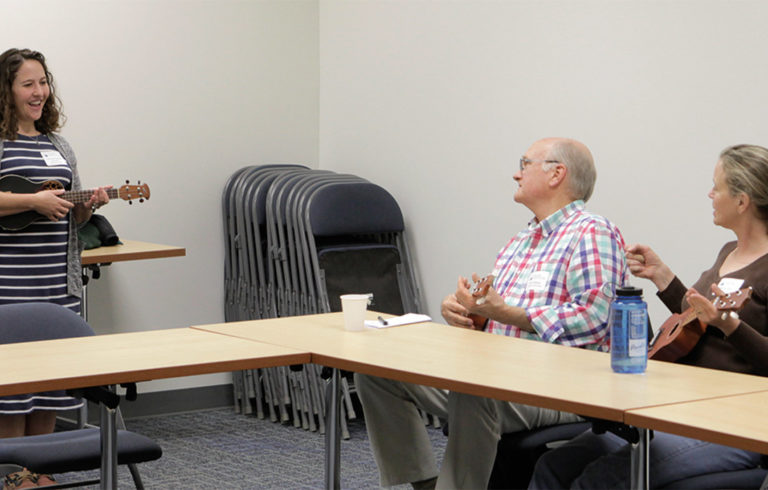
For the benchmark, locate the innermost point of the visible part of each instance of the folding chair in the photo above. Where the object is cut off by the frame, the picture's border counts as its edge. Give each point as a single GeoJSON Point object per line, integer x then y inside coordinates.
{"type": "Point", "coordinates": [347, 230]}
{"type": "Point", "coordinates": [259, 242]}
{"type": "Point", "coordinates": [351, 232]}
{"type": "Point", "coordinates": [246, 294]}
{"type": "Point", "coordinates": [278, 272]}
{"type": "Point", "coordinates": [277, 265]}
{"type": "Point", "coordinates": [230, 245]}
{"type": "Point", "coordinates": [302, 273]}
{"type": "Point", "coordinates": [73, 450]}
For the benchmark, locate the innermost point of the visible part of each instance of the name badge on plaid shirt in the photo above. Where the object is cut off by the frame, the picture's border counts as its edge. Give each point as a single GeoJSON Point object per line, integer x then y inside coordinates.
{"type": "Point", "coordinates": [538, 281]}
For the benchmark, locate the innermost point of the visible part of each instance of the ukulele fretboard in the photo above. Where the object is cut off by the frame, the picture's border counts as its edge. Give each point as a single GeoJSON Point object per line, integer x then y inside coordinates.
{"type": "Point", "coordinates": [82, 196]}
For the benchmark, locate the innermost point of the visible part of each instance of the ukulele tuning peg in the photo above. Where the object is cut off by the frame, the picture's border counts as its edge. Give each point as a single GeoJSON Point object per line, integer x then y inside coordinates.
{"type": "Point", "coordinates": [141, 200]}
{"type": "Point", "coordinates": [130, 202]}
{"type": "Point", "coordinates": [127, 181]}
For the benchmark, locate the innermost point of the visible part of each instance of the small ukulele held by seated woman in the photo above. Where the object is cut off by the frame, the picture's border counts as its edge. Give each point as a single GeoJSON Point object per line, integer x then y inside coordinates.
{"type": "Point", "coordinates": [681, 332]}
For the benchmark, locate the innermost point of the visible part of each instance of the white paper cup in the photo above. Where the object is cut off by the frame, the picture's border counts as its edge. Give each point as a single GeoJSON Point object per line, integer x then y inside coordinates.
{"type": "Point", "coordinates": [354, 306]}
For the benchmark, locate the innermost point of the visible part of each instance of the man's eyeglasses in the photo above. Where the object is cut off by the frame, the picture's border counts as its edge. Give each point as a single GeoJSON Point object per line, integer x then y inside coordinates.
{"type": "Point", "coordinates": [527, 162]}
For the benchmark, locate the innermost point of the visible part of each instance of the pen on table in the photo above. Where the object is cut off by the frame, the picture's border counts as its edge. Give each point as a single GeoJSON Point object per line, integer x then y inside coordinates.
{"type": "Point", "coordinates": [382, 320]}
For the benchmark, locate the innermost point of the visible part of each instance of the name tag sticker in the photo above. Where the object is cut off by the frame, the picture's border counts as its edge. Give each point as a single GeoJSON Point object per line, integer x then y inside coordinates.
{"type": "Point", "coordinates": [538, 281]}
{"type": "Point", "coordinates": [730, 284]}
{"type": "Point", "coordinates": [53, 158]}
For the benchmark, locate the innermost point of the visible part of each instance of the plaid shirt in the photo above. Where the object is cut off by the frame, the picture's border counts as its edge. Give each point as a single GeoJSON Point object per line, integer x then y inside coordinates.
{"type": "Point", "coordinates": [559, 270]}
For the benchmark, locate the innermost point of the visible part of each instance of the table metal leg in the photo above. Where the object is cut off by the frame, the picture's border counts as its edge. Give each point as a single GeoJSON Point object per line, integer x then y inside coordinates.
{"type": "Point", "coordinates": [333, 430]}
{"type": "Point", "coordinates": [95, 273]}
{"type": "Point", "coordinates": [108, 448]}
{"type": "Point", "coordinates": [84, 300]}
{"type": "Point", "coordinates": [639, 459]}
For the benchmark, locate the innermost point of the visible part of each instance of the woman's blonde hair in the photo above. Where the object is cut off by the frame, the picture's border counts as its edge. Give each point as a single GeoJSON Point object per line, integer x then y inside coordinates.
{"type": "Point", "coordinates": [746, 170]}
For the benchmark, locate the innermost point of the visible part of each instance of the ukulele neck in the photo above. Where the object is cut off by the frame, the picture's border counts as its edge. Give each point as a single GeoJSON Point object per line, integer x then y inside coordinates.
{"type": "Point", "coordinates": [687, 316]}
{"type": "Point", "coordinates": [78, 197]}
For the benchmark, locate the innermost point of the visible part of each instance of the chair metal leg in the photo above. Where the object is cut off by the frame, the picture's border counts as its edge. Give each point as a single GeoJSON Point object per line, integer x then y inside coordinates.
{"type": "Point", "coordinates": [136, 476]}
{"type": "Point", "coordinates": [82, 415]}
{"type": "Point", "coordinates": [348, 399]}
{"type": "Point", "coordinates": [333, 431]}
{"type": "Point", "coordinates": [132, 467]}
{"type": "Point", "coordinates": [257, 374]}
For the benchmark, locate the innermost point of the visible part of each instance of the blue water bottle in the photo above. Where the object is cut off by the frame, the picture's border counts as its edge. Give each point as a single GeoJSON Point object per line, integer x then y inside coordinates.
{"type": "Point", "coordinates": [628, 322]}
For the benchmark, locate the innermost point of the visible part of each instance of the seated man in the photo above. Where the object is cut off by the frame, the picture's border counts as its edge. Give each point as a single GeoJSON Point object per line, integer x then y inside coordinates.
{"type": "Point", "coordinates": [550, 285]}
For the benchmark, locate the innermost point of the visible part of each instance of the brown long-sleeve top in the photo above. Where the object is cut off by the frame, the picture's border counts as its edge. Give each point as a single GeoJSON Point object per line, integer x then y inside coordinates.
{"type": "Point", "coordinates": [746, 349]}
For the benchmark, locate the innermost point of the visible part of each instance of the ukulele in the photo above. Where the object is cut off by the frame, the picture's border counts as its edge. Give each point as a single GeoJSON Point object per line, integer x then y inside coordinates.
{"type": "Point", "coordinates": [21, 185]}
{"type": "Point", "coordinates": [479, 290]}
{"type": "Point", "coordinates": [680, 333]}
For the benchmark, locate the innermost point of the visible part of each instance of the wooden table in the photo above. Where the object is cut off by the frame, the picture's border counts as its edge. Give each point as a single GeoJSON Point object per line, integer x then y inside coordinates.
{"type": "Point", "coordinates": [505, 368]}
{"type": "Point", "coordinates": [131, 357]}
{"type": "Point", "coordinates": [735, 420]}
{"type": "Point", "coordinates": [130, 250]}
{"type": "Point", "coordinates": [94, 258]}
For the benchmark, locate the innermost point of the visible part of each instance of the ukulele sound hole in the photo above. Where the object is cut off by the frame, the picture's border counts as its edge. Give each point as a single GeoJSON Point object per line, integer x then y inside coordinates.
{"type": "Point", "coordinates": [674, 329]}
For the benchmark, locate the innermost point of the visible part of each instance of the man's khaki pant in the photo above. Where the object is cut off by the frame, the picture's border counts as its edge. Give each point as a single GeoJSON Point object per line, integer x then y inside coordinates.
{"type": "Point", "coordinates": [401, 445]}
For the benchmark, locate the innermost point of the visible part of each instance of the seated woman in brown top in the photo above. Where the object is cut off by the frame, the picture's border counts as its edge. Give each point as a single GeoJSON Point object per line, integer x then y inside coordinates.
{"type": "Point", "coordinates": [731, 342]}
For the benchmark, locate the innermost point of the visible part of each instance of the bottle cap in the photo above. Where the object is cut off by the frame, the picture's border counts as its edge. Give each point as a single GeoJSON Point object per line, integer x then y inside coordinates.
{"type": "Point", "coordinates": [629, 291]}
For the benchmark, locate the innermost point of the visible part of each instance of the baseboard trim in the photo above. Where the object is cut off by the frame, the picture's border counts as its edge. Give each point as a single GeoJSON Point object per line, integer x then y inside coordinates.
{"type": "Point", "coordinates": [172, 401]}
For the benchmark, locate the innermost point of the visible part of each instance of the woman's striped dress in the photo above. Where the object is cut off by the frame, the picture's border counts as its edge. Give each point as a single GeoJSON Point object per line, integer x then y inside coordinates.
{"type": "Point", "coordinates": [33, 260]}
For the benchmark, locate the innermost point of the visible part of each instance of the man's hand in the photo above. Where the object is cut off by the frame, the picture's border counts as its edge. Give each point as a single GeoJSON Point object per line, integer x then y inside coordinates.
{"type": "Point", "coordinates": [454, 313]}
{"type": "Point", "coordinates": [488, 305]}
{"type": "Point", "coordinates": [643, 262]}
{"type": "Point", "coordinates": [456, 307]}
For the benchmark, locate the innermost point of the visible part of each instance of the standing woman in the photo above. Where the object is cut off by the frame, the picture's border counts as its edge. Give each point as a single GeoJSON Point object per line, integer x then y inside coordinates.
{"type": "Point", "coordinates": [41, 262]}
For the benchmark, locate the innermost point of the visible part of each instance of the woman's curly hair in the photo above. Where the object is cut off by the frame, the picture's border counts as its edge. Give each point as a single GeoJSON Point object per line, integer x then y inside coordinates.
{"type": "Point", "coordinates": [10, 62]}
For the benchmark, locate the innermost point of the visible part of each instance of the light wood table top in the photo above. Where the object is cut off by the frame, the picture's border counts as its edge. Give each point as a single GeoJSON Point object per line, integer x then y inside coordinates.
{"type": "Point", "coordinates": [736, 420]}
{"type": "Point", "coordinates": [131, 357]}
{"type": "Point", "coordinates": [535, 373]}
{"type": "Point", "coordinates": [130, 250]}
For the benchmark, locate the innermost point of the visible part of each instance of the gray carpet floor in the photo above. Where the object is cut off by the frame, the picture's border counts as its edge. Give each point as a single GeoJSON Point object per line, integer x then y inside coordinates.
{"type": "Point", "coordinates": [218, 449]}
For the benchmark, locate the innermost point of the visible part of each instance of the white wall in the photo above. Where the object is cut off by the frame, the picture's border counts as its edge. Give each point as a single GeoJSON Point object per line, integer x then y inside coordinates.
{"type": "Point", "coordinates": [437, 100]}
{"type": "Point", "coordinates": [178, 94]}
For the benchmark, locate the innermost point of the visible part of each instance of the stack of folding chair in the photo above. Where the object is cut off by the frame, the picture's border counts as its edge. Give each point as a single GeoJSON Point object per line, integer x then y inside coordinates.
{"type": "Point", "coordinates": [295, 240]}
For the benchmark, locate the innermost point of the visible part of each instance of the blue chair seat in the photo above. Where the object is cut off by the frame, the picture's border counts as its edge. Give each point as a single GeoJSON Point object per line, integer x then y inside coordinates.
{"type": "Point", "coordinates": [74, 450]}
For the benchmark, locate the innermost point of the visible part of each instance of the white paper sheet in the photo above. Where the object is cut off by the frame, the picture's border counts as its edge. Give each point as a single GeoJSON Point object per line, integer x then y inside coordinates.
{"type": "Point", "coordinates": [398, 320]}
